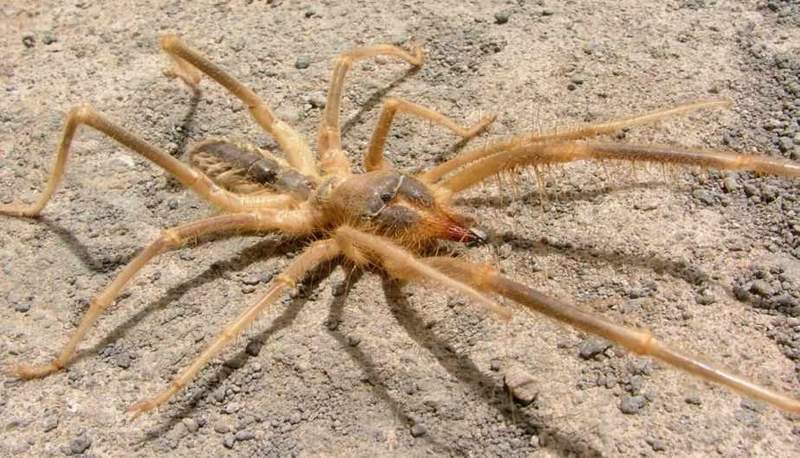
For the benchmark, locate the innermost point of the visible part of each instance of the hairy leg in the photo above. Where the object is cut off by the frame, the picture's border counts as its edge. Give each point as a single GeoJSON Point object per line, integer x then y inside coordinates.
{"type": "Point", "coordinates": [332, 158]}
{"type": "Point", "coordinates": [558, 152]}
{"type": "Point", "coordinates": [362, 248]}
{"type": "Point", "coordinates": [188, 66]}
{"type": "Point", "coordinates": [587, 131]}
{"type": "Point", "coordinates": [168, 240]}
{"type": "Point", "coordinates": [484, 278]}
{"type": "Point", "coordinates": [189, 177]}
{"type": "Point", "coordinates": [374, 159]}
{"type": "Point", "coordinates": [313, 256]}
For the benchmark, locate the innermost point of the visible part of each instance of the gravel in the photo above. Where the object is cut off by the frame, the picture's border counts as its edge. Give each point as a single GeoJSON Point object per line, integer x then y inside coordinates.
{"type": "Point", "coordinates": [302, 62]}
{"type": "Point", "coordinates": [591, 348]}
{"type": "Point", "coordinates": [80, 444]}
{"type": "Point", "coordinates": [631, 405]}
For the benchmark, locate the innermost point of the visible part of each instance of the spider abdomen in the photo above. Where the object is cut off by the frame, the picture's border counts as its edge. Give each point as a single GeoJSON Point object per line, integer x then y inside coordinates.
{"type": "Point", "coordinates": [246, 169]}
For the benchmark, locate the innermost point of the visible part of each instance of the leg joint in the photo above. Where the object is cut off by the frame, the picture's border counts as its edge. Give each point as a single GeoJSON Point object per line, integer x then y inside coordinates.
{"type": "Point", "coordinates": [646, 344]}
{"type": "Point", "coordinates": [169, 42]}
{"type": "Point", "coordinates": [82, 112]}
{"type": "Point", "coordinates": [286, 280]}
{"type": "Point", "coordinates": [392, 103]}
{"type": "Point", "coordinates": [171, 238]}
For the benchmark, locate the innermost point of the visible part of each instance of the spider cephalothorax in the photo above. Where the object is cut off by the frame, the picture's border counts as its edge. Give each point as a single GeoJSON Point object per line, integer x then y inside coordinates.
{"type": "Point", "coordinates": [382, 216]}
{"type": "Point", "coordinates": [394, 205]}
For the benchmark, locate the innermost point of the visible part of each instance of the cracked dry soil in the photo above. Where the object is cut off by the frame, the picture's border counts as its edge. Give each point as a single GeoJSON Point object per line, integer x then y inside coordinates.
{"type": "Point", "coordinates": [353, 364]}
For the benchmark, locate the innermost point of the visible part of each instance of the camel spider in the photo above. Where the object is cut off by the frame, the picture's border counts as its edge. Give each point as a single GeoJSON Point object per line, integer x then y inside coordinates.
{"type": "Point", "coordinates": [380, 217]}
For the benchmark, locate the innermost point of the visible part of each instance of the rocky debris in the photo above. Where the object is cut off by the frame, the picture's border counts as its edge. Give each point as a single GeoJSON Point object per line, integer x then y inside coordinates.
{"type": "Point", "coordinates": [592, 347]}
{"type": "Point", "coordinates": [631, 405]}
{"type": "Point", "coordinates": [521, 385]}
{"type": "Point", "coordinates": [80, 444]}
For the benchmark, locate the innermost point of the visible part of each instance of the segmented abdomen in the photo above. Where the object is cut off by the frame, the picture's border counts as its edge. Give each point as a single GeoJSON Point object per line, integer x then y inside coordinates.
{"type": "Point", "coordinates": [245, 169]}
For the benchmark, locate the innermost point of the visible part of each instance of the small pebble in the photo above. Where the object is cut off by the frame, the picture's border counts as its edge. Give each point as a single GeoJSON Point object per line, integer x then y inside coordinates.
{"type": "Point", "coordinates": [578, 78]}
{"type": "Point", "coordinates": [418, 430]}
{"type": "Point", "coordinates": [231, 408]}
{"type": "Point", "coordinates": [693, 399]}
{"type": "Point", "coordinates": [252, 279]}
{"type": "Point", "coordinates": [253, 347]}
{"type": "Point", "coordinates": [221, 428]}
{"type": "Point", "coordinates": [501, 17]}
{"type": "Point", "coordinates": [495, 364]}
{"type": "Point", "coordinates": [244, 436]}
{"type": "Point", "coordinates": [761, 288]}
{"type": "Point", "coordinates": [22, 307]}
{"type": "Point", "coordinates": [353, 341]}
{"type": "Point", "coordinates": [50, 424]}
{"type": "Point", "coordinates": [591, 348]}
{"type": "Point", "coordinates": [656, 444]}
{"type": "Point", "coordinates": [703, 196]}
{"type": "Point", "coordinates": [317, 100]}
{"type": "Point", "coordinates": [521, 385]}
{"type": "Point", "coordinates": [122, 360]}
{"type": "Point", "coordinates": [229, 441]}
{"type": "Point", "coordinates": [191, 425]}
{"type": "Point", "coordinates": [80, 444]}
{"type": "Point", "coordinates": [302, 62]}
{"type": "Point", "coordinates": [534, 441]}
{"type": "Point", "coordinates": [705, 298]}
{"type": "Point", "coordinates": [729, 184]}
{"type": "Point", "coordinates": [785, 144]}
{"type": "Point", "coordinates": [632, 404]}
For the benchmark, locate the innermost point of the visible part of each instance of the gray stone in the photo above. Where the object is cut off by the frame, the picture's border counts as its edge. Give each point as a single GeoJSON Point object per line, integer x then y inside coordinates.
{"type": "Point", "coordinates": [631, 405]}
{"type": "Point", "coordinates": [302, 62]}
{"type": "Point", "coordinates": [80, 444]}
{"type": "Point", "coordinates": [418, 430]}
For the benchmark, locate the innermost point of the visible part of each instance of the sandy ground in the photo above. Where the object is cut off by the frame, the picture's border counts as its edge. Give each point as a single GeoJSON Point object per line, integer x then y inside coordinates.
{"type": "Point", "coordinates": [353, 364]}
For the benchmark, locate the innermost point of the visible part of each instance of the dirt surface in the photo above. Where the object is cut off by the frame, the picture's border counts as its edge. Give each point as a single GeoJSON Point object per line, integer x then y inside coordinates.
{"type": "Point", "coordinates": [708, 261]}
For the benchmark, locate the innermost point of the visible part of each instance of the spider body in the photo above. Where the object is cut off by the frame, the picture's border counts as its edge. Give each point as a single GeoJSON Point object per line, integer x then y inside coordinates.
{"type": "Point", "coordinates": [382, 216]}
{"type": "Point", "coordinates": [394, 205]}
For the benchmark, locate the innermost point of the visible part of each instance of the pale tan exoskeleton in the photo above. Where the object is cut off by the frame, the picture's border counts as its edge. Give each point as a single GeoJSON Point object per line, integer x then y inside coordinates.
{"type": "Point", "coordinates": [380, 217]}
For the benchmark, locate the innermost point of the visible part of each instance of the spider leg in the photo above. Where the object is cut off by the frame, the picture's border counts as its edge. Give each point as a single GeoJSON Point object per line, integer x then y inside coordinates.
{"type": "Point", "coordinates": [188, 66]}
{"type": "Point", "coordinates": [313, 256]}
{"type": "Point", "coordinates": [484, 278]}
{"type": "Point", "coordinates": [374, 158]}
{"type": "Point", "coordinates": [329, 142]}
{"type": "Point", "coordinates": [192, 179]}
{"type": "Point", "coordinates": [582, 132]}
{"type": "Point", "coordinates": [558, 152]}
{"type": "Point", "coordinates": [169, 239]}
{"type": "Point", "coordinates": [361, 247]}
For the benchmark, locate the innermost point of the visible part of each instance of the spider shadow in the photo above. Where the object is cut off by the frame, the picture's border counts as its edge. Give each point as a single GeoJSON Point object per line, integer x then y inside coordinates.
{"type": "Point", "coordinates": [206, 386]}
{"type": "Point", "coordinates": [462, 368]}
{"type": "Point", "coordinates": [535, 196]}
{"type": "Point", "coordinates": [590, 255]}
{"type": "Point", "coordinates": [372, 375]}
{"type": "Point", "coordinates": [374, 100]}
{"type": "Point", "coordinates": [104, 265]}
{"type": "Point", "coordinates": [181, 135]}
{"type": "Point", "coordinates": [244, 258]}
{"type": "Point", "coordinates": [458, 366]}
{"type": "Point", "coordinates": [79, 249]}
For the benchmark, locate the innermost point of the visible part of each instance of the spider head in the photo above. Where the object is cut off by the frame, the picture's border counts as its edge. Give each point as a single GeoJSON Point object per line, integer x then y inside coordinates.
{"type": "Point", "coordinates": [398, 206]}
